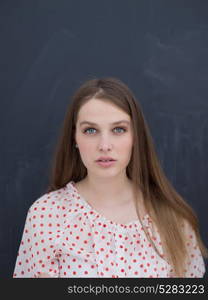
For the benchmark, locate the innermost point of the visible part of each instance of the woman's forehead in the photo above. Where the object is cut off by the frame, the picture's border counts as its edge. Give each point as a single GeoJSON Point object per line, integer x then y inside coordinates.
{"type": "Point", "coordinates": [95, 109]}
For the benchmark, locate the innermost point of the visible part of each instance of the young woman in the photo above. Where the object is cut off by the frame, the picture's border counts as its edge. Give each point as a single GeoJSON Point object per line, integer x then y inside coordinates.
{"type": "Point", "coordinates": [109, 211]}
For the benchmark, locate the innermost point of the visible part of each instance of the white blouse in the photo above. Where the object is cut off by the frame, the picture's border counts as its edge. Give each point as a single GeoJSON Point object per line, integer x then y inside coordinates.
{"type": "Point", "coordinates": [65, 237]}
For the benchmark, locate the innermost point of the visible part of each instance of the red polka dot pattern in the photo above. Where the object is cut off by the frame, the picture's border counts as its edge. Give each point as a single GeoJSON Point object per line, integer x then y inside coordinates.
{"type": "Point", "coordinates": [65, 237]}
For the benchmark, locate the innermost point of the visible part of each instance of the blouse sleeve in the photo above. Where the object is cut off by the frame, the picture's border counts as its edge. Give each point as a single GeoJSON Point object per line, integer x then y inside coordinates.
{"type": "Point", "coordinates": [37, 250]}
{"type": "Point", "coordinates": [195, 266]}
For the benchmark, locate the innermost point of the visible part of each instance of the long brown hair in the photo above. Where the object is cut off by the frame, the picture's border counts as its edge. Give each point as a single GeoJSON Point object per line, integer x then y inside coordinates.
{"type": "Point", "coordinates": [166, 207]}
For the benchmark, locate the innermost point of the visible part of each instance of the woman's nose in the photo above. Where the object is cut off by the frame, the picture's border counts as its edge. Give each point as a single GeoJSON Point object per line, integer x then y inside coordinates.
{"type": "Point", "coordinates": [105, 146]}
{"type": "Point", "coordinates": [105, 142]}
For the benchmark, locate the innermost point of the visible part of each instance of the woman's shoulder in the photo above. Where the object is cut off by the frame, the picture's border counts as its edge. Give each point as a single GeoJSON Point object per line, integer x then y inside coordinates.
{"type": "Point", "coordinates": [59, 199]}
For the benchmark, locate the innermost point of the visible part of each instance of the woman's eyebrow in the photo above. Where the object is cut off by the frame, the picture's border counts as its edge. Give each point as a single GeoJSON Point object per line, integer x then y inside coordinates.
{"type": "Point", "coordinates": [114, 123]}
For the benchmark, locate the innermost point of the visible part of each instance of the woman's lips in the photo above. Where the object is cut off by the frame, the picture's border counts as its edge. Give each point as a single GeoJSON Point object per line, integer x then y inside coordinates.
{"type": "Point", "coordinates": [106, 163]}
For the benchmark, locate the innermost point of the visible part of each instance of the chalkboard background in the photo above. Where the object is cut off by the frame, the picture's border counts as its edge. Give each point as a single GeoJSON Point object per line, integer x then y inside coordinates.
{"type": "Point", "coordinates": [48, 48]}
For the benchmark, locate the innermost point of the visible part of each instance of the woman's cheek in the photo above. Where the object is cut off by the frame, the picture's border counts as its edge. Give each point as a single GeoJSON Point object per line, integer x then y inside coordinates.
{"type": "Point", "coordinates": [87, 153]}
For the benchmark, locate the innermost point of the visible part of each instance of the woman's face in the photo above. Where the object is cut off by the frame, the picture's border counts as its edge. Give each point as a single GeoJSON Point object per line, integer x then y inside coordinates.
{"type": "Point", "coordinates": [104, 138]}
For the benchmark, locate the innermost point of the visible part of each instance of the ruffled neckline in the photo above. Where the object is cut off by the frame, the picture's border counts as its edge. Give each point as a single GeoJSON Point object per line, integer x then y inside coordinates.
{"type": "Point", "coordinates": [100, 217]}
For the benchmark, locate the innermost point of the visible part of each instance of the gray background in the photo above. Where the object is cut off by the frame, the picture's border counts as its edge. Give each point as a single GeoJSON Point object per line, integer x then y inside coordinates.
{"type": "Point", "coordinates": [48, 48]}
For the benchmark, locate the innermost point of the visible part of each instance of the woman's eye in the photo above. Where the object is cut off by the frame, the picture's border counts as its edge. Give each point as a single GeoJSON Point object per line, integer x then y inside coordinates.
{"type": "Point", "coordinates": [121, 128]}
{"type": "Point", "coordinates": [88, 129]}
